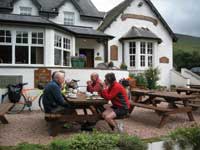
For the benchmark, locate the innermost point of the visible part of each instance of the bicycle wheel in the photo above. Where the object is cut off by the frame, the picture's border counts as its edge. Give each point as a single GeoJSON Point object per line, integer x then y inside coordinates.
{"type": "Point", "coordinates": [41, 103]}
{"type": "Point", "coordinates": [19, 106]}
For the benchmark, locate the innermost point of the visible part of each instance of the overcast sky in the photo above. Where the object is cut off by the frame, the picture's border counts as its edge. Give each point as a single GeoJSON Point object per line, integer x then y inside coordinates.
{"type": "Point", "coordinates": [181, 15]}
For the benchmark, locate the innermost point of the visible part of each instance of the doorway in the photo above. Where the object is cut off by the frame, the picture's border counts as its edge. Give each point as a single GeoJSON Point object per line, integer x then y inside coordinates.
{"type": "Point", "coordinates": [89, 53]}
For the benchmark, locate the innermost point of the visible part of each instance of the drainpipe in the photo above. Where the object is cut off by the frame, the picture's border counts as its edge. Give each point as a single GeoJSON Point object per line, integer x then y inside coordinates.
{"type": "Point", "coordinates": [105, 51]}
{"type": "Point", "coordinates": [123, 58]}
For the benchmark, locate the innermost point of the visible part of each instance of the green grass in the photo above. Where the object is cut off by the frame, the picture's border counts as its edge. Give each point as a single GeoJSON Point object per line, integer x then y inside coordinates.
{"type": "Point", "coordinates": [187, 43]}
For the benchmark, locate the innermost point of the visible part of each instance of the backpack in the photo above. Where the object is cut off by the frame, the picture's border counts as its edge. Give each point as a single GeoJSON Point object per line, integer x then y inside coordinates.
{"type": "Point", "coordinates": [14, 93]}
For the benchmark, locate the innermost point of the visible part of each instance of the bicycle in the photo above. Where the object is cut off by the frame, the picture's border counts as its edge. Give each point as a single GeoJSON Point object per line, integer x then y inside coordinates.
{"type": "Point", "coordinates": [20, 97]}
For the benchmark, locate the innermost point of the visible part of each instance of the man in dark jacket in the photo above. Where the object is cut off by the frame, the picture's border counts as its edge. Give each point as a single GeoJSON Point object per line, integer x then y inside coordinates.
{"type": "Point", "coordinates": [53, 101]}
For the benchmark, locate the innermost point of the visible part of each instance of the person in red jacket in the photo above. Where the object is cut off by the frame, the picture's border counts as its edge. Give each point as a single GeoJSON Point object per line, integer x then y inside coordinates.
{"type": "Point", "coordinates": [117, 94]}
{"type": "Point", "coordinates": [95, 84]}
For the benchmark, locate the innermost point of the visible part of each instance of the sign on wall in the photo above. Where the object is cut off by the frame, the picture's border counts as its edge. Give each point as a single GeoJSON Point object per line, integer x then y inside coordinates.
{"type": "Point", "coordinates": [42, 76]}
{"type": "Point", "coordinates": [164, 60]}
{"type": "Point", "coordinates": [7, 79]}
{"type": "Point", "coordinates": [114, 52]}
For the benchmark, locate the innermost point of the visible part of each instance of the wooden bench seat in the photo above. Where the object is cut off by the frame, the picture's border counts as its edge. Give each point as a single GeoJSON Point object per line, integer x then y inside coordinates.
{"type": "Point", "coordinates": [4, 108]}
{"type": "Point", "coordinates": [161, 109]}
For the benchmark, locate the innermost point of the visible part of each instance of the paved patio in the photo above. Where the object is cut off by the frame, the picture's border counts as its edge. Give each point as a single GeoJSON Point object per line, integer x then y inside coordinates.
{"type": "Point", "coordinates": [31, 126]}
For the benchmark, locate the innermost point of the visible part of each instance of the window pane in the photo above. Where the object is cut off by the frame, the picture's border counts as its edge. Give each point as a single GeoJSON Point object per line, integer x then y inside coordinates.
{"type": "Point", "coordinates": [2, 39]}
{"type": "Point", "coordinates": [142, 61]}
{"type": "Point", "coordinates": [8, 33]}
{"type": "Point", "coordinates": [34, 41]}
{"type": "Point", "coordinates": [21, 54]}
{"type": "Point", "coordinates": [2, 32]}
{"type": "Point", "coordinates": [5, 54]}
{"type": "Point", "coordinates": [143, 48]}
{"type": "Point", "coordinates": [25, 40]}
{"type": "Point", "coordinates": [8, 39]}
{"type": "Point", "coordinates": [132, 61]}
{"type": "Point", "coordinates": [18, 40]}
{"type": "Point", "coordinates": [69, 18]}
{"type": "Point", "coordinates": [34, 35]}
{"type": "Point", "coordinates": [40, 35]}
{"type": "Point", "coordinates": [40, 41]}
{"type": "Point", "coordinates": [37, 55]}
{"type": "Point", "coordinates": [150, 61]}
{"type": "Point", "coordinates": [66, 58]}
{"type": "Point", "coordinates": [57, 58]}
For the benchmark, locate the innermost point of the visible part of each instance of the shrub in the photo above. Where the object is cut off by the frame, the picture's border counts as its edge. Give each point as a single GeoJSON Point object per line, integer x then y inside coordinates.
{"type": "Point", "coordinates": [184, 138]}
{"type": "Point", "coordinates": [26, 146]}
{"type": "Point", "coordinates": [123, 66]}
{"type": "Point", "coordinates": [131, 143]}
{"type": "Point", "coordinates": [99, 141]}
{"type": "Point", "coordinates": [140, 79]}
{"type": "Point", "coordinates": [152, 76]}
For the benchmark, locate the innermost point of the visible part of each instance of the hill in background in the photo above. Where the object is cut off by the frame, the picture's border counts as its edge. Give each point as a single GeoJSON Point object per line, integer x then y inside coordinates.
{"type": "Point", "coordinates": [187, 43]}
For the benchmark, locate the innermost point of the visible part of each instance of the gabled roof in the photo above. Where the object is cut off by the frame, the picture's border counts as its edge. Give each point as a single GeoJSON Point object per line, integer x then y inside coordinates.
{"type": "Point", "coordinates": [85, 7]}
{"type": "Point", "coordinates": [116, 11]}
{"type": "Point", "coordinates": [34, 2]}
{"type": "Point", "coordinates": [113, 14]}
{"type": "Point", "coordinates": [140, 33]}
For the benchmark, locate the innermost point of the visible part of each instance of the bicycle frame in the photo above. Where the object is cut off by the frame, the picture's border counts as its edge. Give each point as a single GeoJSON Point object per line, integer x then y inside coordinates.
{"type": "Point", "coordinates": [30, 97]}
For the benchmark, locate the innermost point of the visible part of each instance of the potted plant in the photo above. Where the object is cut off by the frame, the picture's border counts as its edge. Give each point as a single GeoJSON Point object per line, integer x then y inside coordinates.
{"type": "Point", "coordinates": [140, 80]}
{"type": "Point", "coordinates": [152, 76]}
{"type": "Point", "coordinates": [123, 66]}
{"type": "Point", "coordinates": [78, 61]}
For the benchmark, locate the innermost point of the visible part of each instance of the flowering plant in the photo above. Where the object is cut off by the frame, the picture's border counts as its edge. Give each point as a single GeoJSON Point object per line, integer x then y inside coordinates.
{"type": "Point", "coordinates": [81, 57]}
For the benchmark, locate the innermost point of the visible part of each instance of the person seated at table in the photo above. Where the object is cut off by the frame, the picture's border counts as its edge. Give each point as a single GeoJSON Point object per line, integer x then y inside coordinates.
{"type": "Point", "coordinates": [53, 101]}
{"type": "Point", "coordinates": [95, 84]}
{"type": "Point", "coordinates": [116, 93]}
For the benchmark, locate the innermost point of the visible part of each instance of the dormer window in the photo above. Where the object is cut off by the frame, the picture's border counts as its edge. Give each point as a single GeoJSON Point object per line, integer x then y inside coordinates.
{"type": "Point", "coordinates": [26, 11]}
{"type": "Point", "coordinates": [69, 18]}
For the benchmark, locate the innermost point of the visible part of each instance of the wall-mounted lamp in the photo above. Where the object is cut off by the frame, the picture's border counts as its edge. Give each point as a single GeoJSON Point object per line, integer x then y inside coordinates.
{"type": "Point", "coordinates": [140, 4]}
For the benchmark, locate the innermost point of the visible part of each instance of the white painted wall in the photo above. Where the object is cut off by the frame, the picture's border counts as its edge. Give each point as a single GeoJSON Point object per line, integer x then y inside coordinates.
{"type": "Point", "coordinates": [119, 28]}
{"type": "Point", "coordinates": [194, 78]}
{"type": "Point", "coordinates": [25, 3]}
{"type": "Point", "coordinates": [91, 44]}
{"type": "Point", "coordinates": [178, 79]}
{"type": "Point", "coordinates": [79, 74]}
{"type": "Point", "coordinates": [68, 6]}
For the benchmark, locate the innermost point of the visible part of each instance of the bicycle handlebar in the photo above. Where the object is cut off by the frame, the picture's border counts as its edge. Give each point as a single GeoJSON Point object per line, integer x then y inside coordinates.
{"type": "Point", "coordinates": [17, 85]}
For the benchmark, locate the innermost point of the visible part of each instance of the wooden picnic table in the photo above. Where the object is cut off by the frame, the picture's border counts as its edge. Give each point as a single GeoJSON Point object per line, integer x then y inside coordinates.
{"type": "Point", "coordinates": [92, 109]}
{"type": "Point", "coordinates": [188, 91]}
{"type": "Point", "coordinates": [155, 98]}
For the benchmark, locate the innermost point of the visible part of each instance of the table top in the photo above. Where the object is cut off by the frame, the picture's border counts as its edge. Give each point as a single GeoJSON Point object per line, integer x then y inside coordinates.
{"type": "Point", "coordinates": [141, 91]}
{"type": "Point", "coordinates": [172, 95]}
{"type": "Point", "coordinates": [84, 100]}
{"type": "Point", "coordinates": [188, 89]}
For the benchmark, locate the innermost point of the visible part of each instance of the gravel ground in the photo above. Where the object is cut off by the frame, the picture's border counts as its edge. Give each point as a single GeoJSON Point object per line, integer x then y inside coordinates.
{"type": "Point", "coordinates": [31, 127]}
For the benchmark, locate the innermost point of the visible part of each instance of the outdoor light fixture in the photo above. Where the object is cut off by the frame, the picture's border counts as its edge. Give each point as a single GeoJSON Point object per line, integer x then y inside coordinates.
{"type": "Point", "coordinates": [140, 4]}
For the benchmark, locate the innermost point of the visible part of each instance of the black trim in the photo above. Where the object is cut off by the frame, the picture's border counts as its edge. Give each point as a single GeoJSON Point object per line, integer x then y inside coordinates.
{"type": "Point", "coordinates": [148, 38]}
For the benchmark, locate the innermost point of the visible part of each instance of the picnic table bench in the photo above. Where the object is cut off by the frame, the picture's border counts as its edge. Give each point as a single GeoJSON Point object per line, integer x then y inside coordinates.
{"type": "Point", "coordinates": [155, 98]}
{"type": "Point", "coordinates": [92, 109]}
{"type": "Point", "coordinates": [4, 108]}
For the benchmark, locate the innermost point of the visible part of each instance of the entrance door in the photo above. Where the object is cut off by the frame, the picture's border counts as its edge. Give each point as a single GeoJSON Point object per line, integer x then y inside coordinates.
{"type": "Point", "coordinates": [89, 53]}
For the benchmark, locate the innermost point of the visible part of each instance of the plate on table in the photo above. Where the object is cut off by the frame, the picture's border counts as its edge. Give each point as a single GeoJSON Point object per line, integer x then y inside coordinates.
{"type": "Point", "coordinates": [72, 96]}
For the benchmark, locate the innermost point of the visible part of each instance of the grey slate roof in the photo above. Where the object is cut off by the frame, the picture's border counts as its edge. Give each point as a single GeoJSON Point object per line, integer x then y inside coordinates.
{"type": "Point", "coordinates": [116, 11]}
{"type": "Point", "coordinates": [22, 18]}
{"type": "Point", "coordinates": [86, 31]}
{"type": "Point", "coordinates": [85, 7]}
{"type": "Point", "coordinates": [140, 33]}
{"type": "Point", "coordinates": [37, 20]}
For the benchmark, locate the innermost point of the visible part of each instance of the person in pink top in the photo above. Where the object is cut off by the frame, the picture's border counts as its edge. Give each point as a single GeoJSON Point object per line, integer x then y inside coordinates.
{"type": "Point", "coordinates": [95, 84]}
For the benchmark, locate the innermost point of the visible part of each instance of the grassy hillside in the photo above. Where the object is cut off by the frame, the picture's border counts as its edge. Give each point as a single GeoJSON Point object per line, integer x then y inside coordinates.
{"type": "Point", "coordinates": [187, 43]}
